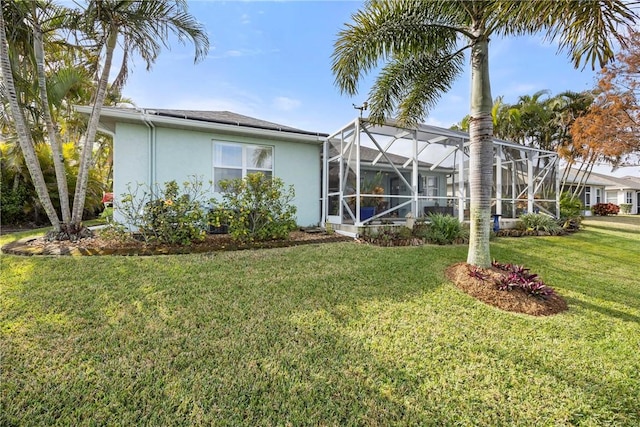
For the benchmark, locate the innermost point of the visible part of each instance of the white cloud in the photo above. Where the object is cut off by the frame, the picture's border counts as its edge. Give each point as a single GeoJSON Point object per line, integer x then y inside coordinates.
{"type": "Point", "coordinates": [283, 103]}
{"type": "Point", "coordinates": [237, 53]}
{"type": "Point", "coordinates": [245, 19]}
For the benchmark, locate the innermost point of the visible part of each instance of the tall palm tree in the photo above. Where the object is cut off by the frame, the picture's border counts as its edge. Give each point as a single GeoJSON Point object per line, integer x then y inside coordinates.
{"type": "Point", "coordinates": [422, 44]}
{"type": "Point", "coordinates": [53, 17]}
{"type": "Point", "coordinates": [22, 128]}
{"type": "Point", "coordinates": [142, 27]}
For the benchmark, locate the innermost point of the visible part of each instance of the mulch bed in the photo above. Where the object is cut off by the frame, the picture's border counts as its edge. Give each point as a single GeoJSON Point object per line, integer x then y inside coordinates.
{"type": "Point", "coordinates": [213, 242]}
{"type": "Point", "coordinates": [514, 301]}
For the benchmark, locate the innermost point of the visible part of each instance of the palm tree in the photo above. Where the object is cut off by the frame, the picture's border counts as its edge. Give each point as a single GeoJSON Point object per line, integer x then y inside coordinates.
{"type": "Point", "coordinates": [22, 128]}
{"type": "Point", "coordinates": [422, 45]}
{"type": "Point", "coordinates": [142, 27]}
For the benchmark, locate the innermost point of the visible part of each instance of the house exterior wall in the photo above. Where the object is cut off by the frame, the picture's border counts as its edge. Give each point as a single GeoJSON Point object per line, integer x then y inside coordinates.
{"type": "Point", "coordinates": [617, 197]}
{"type": "Point", "coordinates": [178, 154]}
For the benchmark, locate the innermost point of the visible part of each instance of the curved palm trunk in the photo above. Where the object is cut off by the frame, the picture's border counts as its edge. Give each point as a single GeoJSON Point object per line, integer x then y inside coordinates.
{"type": "Point", "coordinates": [481, 155]}
{"type": "Point", "coordinates": [56, 147]}
{"type": "Point", "coordinates": [90, 134]}
{"type": "Point", "coordinates": [24, 135]}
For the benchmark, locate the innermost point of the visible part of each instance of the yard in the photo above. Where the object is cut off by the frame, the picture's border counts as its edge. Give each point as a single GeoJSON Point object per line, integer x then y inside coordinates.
{"type": "Point", "coordinates": [332, 334]}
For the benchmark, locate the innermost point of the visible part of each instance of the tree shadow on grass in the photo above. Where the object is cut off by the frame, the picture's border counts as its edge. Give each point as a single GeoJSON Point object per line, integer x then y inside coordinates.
{"type": "Point", "coordinates": [606, 311]}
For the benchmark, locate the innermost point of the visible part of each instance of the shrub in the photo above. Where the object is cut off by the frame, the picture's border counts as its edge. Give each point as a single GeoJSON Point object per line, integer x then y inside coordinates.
{"type": "Point", "coordinates": [12, 204]}
{"type": "Point", "coordinates": [257, 208]}
{"type": "Point", "coordinates": [170, 215]}
{"type": "Point", "coordinates": [605, 209]}
{"type": "Point", "coordinates": [388, 236]}
{"type": "Point", "coordinates": [570, 207]}
{"type": "Point", "coordinates": [107, 214]}
{"type": "Point", "coordinates": [116, 233]}
{"type": "Point", "coordinates": [444, 229]}
{"type": "Point", "coordinates": [625, 208]}
{"type": "Point", "coordinates": [540, 222]}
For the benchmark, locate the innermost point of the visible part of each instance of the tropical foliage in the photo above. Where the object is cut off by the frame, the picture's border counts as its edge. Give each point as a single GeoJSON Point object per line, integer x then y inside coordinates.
{"type": "Point", "coordinates": [540, 222]}
{"type": "Point", "coordinates": [421, 46]}
{"type": "Point", "coordinates": [44, 74]}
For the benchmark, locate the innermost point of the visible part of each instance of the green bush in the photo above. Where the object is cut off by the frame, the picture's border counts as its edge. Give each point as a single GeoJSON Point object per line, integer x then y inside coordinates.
{"type": "Point", "coordinates": [388, 235]}
{"type": "Point", "coordinates": [570, 207]}
{"type": "Point", "coordinates": [12, 204]}
{"type": "Point", "coordinates": [257, 208]}
{"type": "Point", "coordinates": [540, 222]}
{"type": "Point", "coordinates": [169, 215]}
{"type": "Point", "coordinates": [444, 230]}
{"type": "Point", "coordinates": [107, 214]}
{"type": "Point", "coordinates": [625, 208]}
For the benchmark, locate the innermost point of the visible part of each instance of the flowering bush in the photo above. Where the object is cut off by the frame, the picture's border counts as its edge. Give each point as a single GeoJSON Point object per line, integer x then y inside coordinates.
{"type": "Point", "coordinates": [605, 209]}
{"type": "Point", "coordinates": [256, 208]}
{"type": "Point", "coordinates": [170, 215]}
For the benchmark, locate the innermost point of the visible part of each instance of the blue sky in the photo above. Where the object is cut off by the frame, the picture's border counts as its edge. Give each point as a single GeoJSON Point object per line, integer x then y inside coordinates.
{"type": "Point", "coordinates": [272, 60]}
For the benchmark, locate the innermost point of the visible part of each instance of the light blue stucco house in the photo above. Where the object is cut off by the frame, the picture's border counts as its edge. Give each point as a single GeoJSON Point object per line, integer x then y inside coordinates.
{"type": "Point", "coordinates": [155, 146]}
{"type": "Point", "coordinates": [416, 171]}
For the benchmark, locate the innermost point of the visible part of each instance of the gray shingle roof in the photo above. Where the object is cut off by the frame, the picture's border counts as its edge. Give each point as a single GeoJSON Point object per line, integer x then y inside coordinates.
{"type": "Point", "coordinates": [595, 178]}
{"type": "Point", "coordinates": [368, 155]}
{"type": "Point", "coordinates": [229, 118]}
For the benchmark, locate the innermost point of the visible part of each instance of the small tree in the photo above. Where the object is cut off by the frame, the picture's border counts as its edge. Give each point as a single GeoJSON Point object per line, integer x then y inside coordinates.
{"type": "Point", "coordinates": [256, 208]}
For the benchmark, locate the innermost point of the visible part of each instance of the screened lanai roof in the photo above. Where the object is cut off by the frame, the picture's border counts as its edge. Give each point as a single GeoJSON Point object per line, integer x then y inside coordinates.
{"type": "Point", "coordinates": [429, 167]}
{"type": "Point", "coordinates": [424, 132]}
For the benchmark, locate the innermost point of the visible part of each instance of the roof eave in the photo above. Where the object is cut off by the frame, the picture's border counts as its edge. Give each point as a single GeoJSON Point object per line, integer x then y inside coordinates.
{"type": "Point", "coordinates": [140, 117]}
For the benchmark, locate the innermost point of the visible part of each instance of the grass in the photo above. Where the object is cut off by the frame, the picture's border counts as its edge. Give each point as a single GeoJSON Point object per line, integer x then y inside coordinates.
{"type": "Point", "coordinates": [337, 334]}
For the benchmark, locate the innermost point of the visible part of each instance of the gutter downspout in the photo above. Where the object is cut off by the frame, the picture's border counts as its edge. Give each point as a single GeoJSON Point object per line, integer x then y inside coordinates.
{"type": "Point", "coordinates": [152, 150]}
{"type": "Point", "coordinates": [325, 178]}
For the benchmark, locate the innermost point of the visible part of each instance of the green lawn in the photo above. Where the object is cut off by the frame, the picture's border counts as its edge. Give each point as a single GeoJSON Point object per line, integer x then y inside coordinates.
{"type": "Point", "coordinates": [334, 334]}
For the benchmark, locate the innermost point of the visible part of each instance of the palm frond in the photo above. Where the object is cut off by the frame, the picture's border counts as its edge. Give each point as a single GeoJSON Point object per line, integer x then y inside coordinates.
{"type": "Point", "coordinates": [409, 86]}
{"type": "Point", "coordinates": [386, 28]}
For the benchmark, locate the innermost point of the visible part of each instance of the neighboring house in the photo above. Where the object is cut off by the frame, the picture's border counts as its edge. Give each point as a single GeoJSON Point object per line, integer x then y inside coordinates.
{"type": "Point", "coordinates": [601, 188]}
{"type": "Point", "coordinates": [156, 146]}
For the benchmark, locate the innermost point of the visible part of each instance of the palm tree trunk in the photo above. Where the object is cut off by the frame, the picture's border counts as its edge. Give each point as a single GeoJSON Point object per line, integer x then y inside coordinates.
{"type": "Point", "coordinates": [480, 154]}
{"type": "Point", "coordinates": [56, 147]}
{"type": "Point", "coordinates": [24, 135]}
{"type": "Point", "coordinates": [92, 129]}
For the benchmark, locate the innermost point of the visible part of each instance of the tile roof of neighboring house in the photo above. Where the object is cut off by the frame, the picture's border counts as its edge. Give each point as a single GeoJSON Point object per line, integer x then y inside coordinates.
{"type": "Point", "coordinates": [229, 118]}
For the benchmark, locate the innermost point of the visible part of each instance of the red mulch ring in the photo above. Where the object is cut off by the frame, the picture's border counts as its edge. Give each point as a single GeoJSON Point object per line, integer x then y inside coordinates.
{"type": "Point", "coordinates": [515, 301]}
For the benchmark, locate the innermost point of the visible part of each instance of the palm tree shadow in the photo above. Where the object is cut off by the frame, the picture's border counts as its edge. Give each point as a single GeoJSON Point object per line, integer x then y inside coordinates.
{"type": "Point", "coordinates": [610, 312]}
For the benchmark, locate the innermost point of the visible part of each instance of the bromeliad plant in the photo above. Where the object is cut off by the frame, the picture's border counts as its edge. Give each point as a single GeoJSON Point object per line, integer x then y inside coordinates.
{"type": "Point", "coordinates": [519, 277]}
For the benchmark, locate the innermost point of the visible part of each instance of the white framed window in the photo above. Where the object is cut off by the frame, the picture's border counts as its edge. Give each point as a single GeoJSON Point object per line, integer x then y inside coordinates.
{"type": "Point", "coordinates": [629, 197]}
{"type": "Point", "coordinates": [612, 197]}
{"type": "Point", "coordinates": [432, 186]}
{"type": "Point", "coordinates": [598, 195]}
{"type": "Point", "coordinates": [233, 160]}
{"type": "Point", "coordinates": [587, 196]}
